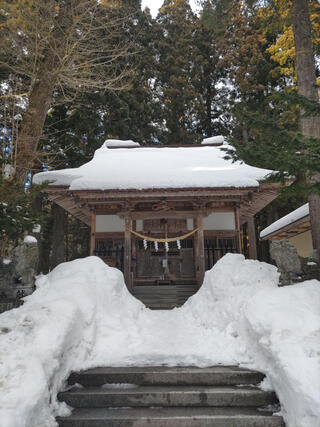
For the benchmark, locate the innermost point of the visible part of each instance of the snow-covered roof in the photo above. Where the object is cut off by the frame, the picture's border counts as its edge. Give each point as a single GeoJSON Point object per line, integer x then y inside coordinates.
{"type": "Point", "coordinates": [118, 143]}
{"type": "Point", "coordinates": [156, 167]}
{"type": "Point", "coordinates": [292, 217]}
{"type": "Point", "coordinates": [213, 140]}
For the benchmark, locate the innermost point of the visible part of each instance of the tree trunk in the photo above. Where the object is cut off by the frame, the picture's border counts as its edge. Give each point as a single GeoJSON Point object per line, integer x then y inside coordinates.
{"type": "Point", "coordinates": [307, 87]}
{"type": "Point", "coordinates": [58, 231]}
{"type": "Point", "coordinates": [314, 206]}
{"type": "Point", "coordinates": [32, 126]}
{"type": "Point", "coordinates": [209, 111]}
{"type": "Point", "coordinates": [41, 94]}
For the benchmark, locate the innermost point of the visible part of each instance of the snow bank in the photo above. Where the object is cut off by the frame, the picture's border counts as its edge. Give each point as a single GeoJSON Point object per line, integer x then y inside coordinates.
{"type": "Point", "coordinates": [54, 332]}
{"type": "Point", "coordinates": [82, 316]}
{"type": "Point", "coordinates": [156, 167]}
{"type": "Point", "coordinates": [284, 332]}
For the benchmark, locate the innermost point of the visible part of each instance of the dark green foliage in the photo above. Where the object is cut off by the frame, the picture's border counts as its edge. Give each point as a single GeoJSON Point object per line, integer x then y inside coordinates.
{"type": "Point", "coordinates": [173, 86]}
{"type": "Point", "coordinates": [211, 106]}
{"type": "Point", "coordinates": [76, 129]}
{"type": "Point", "coordinates": [276, 143]}
{"type": "Point", "coordinates": [16, 211]}
{"type": "Point", "coordinates": [193, 76]}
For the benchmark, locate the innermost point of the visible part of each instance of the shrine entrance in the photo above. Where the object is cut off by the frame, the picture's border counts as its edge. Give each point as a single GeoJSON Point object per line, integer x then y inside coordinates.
{"type": "Point", "coordinates": [157, 264]}
{"type": "Point", "coordinates": [160, 257]}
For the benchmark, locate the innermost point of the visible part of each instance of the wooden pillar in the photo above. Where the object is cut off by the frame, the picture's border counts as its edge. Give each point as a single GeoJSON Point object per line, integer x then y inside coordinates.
{"type": "Point", "coordinates": [127, 252]}
{"type": "Point", "coordinates": [238, 230]}
{"type": "Point", "coordinates": [199, 249]}
{"type": "Point", "coordinates": [58, 235]}
{"type": "Point", "coordinates": [314, 207]}
{"type": "Point", "coordinates": [93, 233]}
{"type": "Point", "coordinates": [252, 238]}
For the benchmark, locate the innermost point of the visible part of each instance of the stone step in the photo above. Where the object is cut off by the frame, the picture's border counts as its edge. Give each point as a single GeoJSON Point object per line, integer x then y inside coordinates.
{"type": "Point", "coordinates": [166, 396]}
{"type": "Point", "coordinates": [164, 297]}
{"type": "Point", "coordinates": [157, 290]}
{"type": "Point", "coordinates": [164, 287]}
{"type": "Point", "coordinates": [163, 294]}
{"type": "Point", "coordinates": [161, 304]}
{"type": "Point", "coordinates": [163, 375]}
{"type": "Point", "coordinates": [171, 417]}
{"type": "Point", "coordinates": [160, 297]}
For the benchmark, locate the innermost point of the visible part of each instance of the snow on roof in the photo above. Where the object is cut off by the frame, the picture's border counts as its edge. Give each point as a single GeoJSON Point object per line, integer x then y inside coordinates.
{"type": "Point", "coordinates": [213, 140]}
{"type": "Point", "coordinates": [118, 143]}
{"type": "Point", "coordinates": [156, 167]}
{"type": "Point", "coordinates": [286, 220]}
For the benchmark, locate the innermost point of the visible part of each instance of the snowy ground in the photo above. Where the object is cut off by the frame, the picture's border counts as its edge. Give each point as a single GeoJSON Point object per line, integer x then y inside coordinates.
{"type": "Point", "coordinates": [82, 316]}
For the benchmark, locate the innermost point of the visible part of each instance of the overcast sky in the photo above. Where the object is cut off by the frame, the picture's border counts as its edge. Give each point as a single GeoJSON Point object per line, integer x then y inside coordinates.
{"type": "Point", "coordinates": [154, 5]}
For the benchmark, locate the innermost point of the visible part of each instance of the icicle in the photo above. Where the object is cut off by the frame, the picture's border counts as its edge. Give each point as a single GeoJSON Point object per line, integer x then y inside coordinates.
{"type": "Point", "coordinates": [156, 247]}
{"type": "Point", "coordinates": [145, 244]}
{"type": "Point", "coordinates": [179, 244]}
{"type": "Point", "coordinates": [166, 246]}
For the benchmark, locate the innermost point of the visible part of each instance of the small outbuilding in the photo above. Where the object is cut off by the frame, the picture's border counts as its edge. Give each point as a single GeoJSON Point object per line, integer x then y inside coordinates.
{"type": "Point", "coordinates": [163, 214]}
{"type": "Point", "coordinates": [295, 227]}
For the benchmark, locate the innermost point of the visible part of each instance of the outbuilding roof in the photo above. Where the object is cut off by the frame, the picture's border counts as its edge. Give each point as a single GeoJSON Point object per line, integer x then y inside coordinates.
{"type": "Point", "coordinates": [295, 222]}
{"type": "Point", "coordinates": [157, 167]}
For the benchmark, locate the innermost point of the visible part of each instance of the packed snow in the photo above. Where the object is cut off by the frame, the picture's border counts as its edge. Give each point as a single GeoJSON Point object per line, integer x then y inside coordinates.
{"type": "Point", "coordinates": [82, 315]}
{"type": "Point", "coordinates": [292, 217]}
{"type": "Point", "coordinates": [156, 167]}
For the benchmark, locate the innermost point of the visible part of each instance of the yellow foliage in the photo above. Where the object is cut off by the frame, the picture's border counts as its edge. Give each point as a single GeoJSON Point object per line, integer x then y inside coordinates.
{"type": "Point", "coordinates": [283, 50]}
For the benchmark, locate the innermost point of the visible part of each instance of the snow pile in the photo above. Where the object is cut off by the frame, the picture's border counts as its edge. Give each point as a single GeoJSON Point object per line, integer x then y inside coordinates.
{"type": "Point", "coordinates": [29, 239]}
{"type": "Point", "coordinates": [82, 316]}
{"type": "Point", "coordinates": [55, 332]}
{"type": "Point", "coordinates": [156, 167]}
{"type": "Point", "coordinates": [284, 332]}
{"type": "Point", "coordinates": [292, 217]}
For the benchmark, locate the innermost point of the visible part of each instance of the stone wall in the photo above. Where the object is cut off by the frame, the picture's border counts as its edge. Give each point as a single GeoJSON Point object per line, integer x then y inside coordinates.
{"type": "Point", "coordinates": [292, 268]}
{"type": "Point", "coordinates": [17, 276]}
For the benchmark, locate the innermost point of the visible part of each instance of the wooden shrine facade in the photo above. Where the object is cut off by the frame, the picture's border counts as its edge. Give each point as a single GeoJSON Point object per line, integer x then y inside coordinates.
{"type": "Point", "coordinates": [203, 223]}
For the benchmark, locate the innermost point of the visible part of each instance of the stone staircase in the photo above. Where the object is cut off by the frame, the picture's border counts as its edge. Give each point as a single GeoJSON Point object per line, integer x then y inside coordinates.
{"type": "Point", "coordinates": [169, 397]}
{"type": "Point", "coordinates": [164, 297]}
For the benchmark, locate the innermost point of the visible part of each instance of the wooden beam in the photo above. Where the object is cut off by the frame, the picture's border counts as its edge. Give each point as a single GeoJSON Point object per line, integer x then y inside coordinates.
{"type": "Point", "coordinates": [66, 202]}
{"type": "Point", "coordinates": [252, 238]}
{"type": "Point", "coordinates": [238, 235]}
{"type": "Point", "coordinates": [93, 233]}
{"type": "Point", "coordinates": [199, 249]}
{"type": "Point", "coordinates": [127, 252]}
{"type": "Point", "coordinates": [161, 193]}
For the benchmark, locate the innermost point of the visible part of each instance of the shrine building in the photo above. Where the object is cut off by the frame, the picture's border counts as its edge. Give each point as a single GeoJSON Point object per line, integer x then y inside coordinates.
{"type": "Point", "coordinates": [163, 214]}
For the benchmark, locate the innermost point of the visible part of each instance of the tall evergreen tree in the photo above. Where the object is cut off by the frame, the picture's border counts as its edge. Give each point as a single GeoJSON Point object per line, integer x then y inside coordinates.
{"type": "Point", "coordinates": [173, 85]}
{"type": "Point", "coordinates": [307, 87]}
{"type": "Point", "coordinates": [209, 78]}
